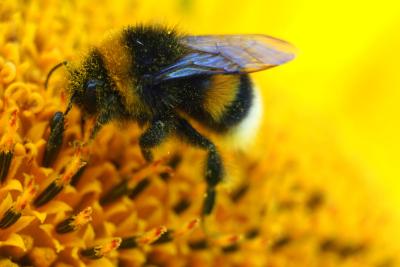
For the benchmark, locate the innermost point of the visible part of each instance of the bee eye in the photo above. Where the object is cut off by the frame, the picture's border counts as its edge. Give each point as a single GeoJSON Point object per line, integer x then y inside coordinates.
{"type": "Point", "coordinates": [91, 85]}
{"type": "Point", "coordinates": [90, 95]}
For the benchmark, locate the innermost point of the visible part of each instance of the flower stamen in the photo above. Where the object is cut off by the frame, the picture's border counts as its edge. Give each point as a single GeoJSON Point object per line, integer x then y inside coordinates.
{"type": "Point", "coordinates": [149, 237]}
{"type": "Point", "coordinates": [55, 187]}
{"type": "Point", "coordinates": [100, 251]}
{"type": "Point", "coordinates": [12, 215]}
{"type": "Point", "coordinates": [7, 143]}
{"type": "Point", "coordinates": [75, 222]}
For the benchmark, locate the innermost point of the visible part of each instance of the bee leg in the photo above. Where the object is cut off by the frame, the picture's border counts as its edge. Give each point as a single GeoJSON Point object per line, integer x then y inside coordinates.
{"type": "Point", "coordinates": [214, 167]}
{"type": "Point", "coordinates": [102, 118]}
{"type": "Point", "coordinates": [55, 139]}
{"type": "Point", "coordinates": [111, 109]}
{"type": "Point", "coordinates": [153, 136]}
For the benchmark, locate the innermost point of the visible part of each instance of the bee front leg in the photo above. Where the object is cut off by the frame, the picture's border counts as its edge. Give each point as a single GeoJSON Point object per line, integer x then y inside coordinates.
{"type": "Point", "coordinates": [108, 111]}
{"type": "Point", "coordinates": [54, 143]}
{"type": "Point", "coordinates": [214, 166]}
{"type": "Point", "coordinates": [101, 119]}
{"type": "Point", "coordinates": [153, 136]}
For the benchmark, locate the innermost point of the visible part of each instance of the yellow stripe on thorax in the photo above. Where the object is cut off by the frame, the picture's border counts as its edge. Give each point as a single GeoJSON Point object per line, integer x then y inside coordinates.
{"type": "Point", "coordinates": [221, 94]}
{"type": "Point", "coordinates": [118, 63]}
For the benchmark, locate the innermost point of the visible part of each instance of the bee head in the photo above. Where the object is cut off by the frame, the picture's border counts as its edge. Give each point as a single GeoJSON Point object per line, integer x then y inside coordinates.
{"type": "Point", "coordinates": [88, 96]}
{"type": "Point", "coordinates": [89, 84]}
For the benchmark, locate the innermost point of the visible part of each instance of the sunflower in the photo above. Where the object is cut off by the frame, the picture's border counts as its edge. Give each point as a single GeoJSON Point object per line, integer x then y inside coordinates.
{"type": "Point", "coordinates": [64, 202]}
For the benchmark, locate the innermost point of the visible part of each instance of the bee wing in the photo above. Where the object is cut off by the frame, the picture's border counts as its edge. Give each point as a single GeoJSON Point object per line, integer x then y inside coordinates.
{"type": "Point", "coordinates": [225, 54]}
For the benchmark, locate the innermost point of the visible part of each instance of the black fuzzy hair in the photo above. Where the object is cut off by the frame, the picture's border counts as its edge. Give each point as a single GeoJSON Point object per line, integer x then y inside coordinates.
{"type": "Point", "coordinates": [152, 47]}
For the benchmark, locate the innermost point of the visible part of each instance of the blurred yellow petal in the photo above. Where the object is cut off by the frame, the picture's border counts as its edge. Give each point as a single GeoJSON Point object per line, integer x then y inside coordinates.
{"type": "Point", "coordinates": [93, 187]}
{"type": "Point", "coordinates": [41, 216]}
{"type": "Point", "coordinates": [102, 262]}
{"type": "Point", "coordinates": [11, 185]}
{"type": "Point", "coordinates": [56, 207]}
{"type": "Point", "coordinates": [7, 263]}
{"type": "Point", "coordinates": [89, 234]}
{"type": "Point", "coordinates": [42, 256]}
{"type": "Point", "coordinates": [6, 203]}
{"type": "Point", "coordinates": [49, 230]}
{"type": "Point", "coordinates": [14, 240]}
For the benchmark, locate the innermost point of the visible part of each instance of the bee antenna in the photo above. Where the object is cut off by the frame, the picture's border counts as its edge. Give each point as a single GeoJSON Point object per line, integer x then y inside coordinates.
{"type": "Point", "coordinates": [68, 107]}
{"type": "Point", "coordinates": [46, 83]}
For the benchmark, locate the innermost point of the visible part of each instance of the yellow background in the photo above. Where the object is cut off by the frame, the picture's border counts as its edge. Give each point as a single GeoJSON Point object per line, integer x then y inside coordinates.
{"type": "Point", "coordinates": [346, 75]}
{"type": "Point", "coordinates": [344, 80]}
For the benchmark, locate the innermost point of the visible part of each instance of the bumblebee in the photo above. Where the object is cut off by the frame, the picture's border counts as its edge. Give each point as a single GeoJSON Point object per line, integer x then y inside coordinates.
{"type": "Point", "coordinates": [158, 78]}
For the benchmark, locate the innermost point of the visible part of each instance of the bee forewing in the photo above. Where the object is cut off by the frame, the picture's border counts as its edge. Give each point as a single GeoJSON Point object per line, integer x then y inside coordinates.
{"type": "Point", "coordinates": [251, 52]}
{"type": "Point", "coordinates": [225, 54]}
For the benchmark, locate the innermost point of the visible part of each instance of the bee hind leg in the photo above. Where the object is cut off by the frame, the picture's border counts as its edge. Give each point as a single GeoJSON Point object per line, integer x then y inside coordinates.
{"type": "Point", "coordinates": [214, 166]}
{"type": "Point", "coordinates": [153, 136]}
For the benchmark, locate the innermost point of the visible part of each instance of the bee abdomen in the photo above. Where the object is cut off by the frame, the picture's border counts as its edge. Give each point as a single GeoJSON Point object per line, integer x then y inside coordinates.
{"type": "Point", "coordinates": [239, 108]}
{"type": "Point", "coordinates": [226, 103]}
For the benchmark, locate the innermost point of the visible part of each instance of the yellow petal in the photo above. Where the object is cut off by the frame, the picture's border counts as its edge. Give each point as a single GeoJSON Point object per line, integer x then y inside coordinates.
{"type": "Point", "coordinates": [103, 262]}
{"type": "Point", "coordinates": [14, 240]}
{"type": "Point", "coordinates": [49, 230]}
{"type": "Point", "coordinates": [22, 222]}
{"type": "Point", "coordinates": [93, 187]}
{"type": "Point", "coordinates": [12, 185]}
{"type": "Point", "coordinates": [88, 235]}
{"type": "Point", "coordinates": [56, 206]}
{"type": "Point", "coordinates": [5, 204]}
{"type": "Point", "coordinates": [41, 216]}
{"type": "Point", "coordinates": [7, 263]}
